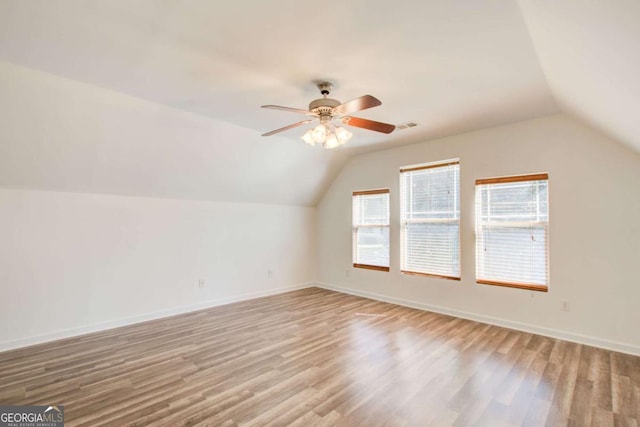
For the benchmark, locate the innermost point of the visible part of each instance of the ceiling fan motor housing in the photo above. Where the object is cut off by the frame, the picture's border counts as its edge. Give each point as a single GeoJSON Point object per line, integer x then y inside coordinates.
{"type": "Point", "coordinates": [323, 106]}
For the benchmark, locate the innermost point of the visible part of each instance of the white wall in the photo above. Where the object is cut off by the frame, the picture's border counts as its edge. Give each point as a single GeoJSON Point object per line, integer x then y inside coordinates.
{"type": "Point", "coordinates": [594, 231]}
{"type": "Point", "coordinates": [64, 135]}
{"type": "Point", "coordinates": [73, 263]}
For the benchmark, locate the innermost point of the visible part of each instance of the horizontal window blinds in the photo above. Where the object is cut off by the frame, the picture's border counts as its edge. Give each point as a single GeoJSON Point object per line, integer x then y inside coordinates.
{"type": "Point", "coordinates": [512, 227]}
{"type": "Point", "coordinates": [371, 229]}
{"type": "Point", "coordinates": [430, 220]}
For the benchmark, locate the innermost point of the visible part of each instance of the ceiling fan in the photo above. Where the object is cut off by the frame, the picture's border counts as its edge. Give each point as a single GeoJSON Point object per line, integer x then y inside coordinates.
{"type": "Point", "coordinates": [326, 110]}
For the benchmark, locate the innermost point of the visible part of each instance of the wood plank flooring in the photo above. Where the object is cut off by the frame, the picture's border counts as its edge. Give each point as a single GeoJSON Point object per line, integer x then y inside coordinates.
{"type": "Point", "coordinates": [320, 358]}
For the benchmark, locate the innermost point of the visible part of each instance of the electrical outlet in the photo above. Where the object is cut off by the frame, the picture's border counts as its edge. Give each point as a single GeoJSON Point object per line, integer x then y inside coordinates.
{"type": "Point", "coordinates": [347, 272]}
{"type": "Point", "coordinates": [564, 305]}
{"type": "Point", "coordinates": [270, 274]}
{"type": "Point", "coordinates": [201, 283]}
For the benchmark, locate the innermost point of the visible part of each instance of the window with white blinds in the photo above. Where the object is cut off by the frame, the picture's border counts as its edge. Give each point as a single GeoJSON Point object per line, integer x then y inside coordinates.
{"type": "Point", "coordinates": [371, 229]}
{"type": "Point", "coordinates": [430, 220]}
{"type": "Point", "coordinates": [512, 230]}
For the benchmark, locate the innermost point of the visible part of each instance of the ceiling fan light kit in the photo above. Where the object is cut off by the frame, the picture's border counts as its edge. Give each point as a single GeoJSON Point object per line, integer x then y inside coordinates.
{"type": "Point", "coordinates": [327, 135]}
{"type": "Point", "coordinates": [326, 110]}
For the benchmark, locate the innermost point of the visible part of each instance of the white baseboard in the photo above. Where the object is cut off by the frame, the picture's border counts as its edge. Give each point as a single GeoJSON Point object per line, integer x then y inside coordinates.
{"type": "Point", "coordinates": [525, 327]}
{"type": "Point", "coordinates": [130, 320]}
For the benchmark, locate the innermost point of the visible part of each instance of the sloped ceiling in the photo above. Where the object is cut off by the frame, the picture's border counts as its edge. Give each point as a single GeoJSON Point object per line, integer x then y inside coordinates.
{"type": "Point", "coordinates": [452, 66]}
{"type": "Point", "coordinates": [590, 53]}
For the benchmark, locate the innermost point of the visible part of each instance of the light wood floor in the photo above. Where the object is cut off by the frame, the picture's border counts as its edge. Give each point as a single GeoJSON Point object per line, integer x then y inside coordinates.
{"type": "Point", "coordinates": [315, 357]}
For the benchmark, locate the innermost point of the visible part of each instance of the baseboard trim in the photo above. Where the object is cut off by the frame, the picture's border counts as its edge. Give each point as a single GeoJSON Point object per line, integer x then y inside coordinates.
{"type": "Point", "coordinates": [525, 327]}
{"type": "Point", "coordinates": [130, 320]}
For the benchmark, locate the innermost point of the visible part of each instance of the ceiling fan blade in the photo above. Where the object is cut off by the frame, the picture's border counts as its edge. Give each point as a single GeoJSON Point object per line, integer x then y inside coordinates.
{"type": "Point", "coordinates": [293, 110]}
{"type": "Point", "coordinates": [358, 104]}
{"type": "Point", "coordinates": [295, 125]}
{"type": "Point", "coordinates": [368, 124]}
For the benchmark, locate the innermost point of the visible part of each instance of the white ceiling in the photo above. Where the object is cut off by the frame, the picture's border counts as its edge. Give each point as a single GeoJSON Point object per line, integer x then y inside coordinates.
{"type": "Point", "coordinates": [451, 65]}
{"type": "Point", "coordinates": [590, 53]}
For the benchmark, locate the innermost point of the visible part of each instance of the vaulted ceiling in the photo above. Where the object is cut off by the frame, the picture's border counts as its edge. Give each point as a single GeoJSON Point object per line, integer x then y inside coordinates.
{"type": "Point", "coordinates": [201, 69]}
{"type": "Point", "coordinates": [590, 53]}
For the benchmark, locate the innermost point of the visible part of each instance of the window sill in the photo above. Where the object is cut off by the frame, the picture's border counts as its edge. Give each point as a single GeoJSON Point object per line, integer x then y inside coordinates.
{"type": "Point", "coordinates": [371, 267]}
{"type": "Point", "coordinates": [526, 286]}
{"type": "Point", "coordinates": [436, 276]}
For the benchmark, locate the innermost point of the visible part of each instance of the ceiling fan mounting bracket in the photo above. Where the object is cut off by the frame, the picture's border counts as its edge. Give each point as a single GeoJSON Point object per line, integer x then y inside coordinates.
{"type": "Point", "coordinates": [325, 88]}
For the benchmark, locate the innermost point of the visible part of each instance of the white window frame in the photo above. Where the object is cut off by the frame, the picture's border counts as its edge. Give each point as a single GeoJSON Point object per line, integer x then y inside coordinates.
{"type": "Point", "coordinates": [356, 228]}
{"type": "Point", "coordinates": [404, 221]}
{"type": "Point", "coordinates": [539, 222]}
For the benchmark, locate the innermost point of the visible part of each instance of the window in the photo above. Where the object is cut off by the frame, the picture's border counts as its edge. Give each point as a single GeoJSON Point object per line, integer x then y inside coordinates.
{"type": "Point", "coordinates": [512, 228]}
{"type": "Point", "coordinates": [430, 215]}
{"type": "Point", "coordinates": [371, 229]}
